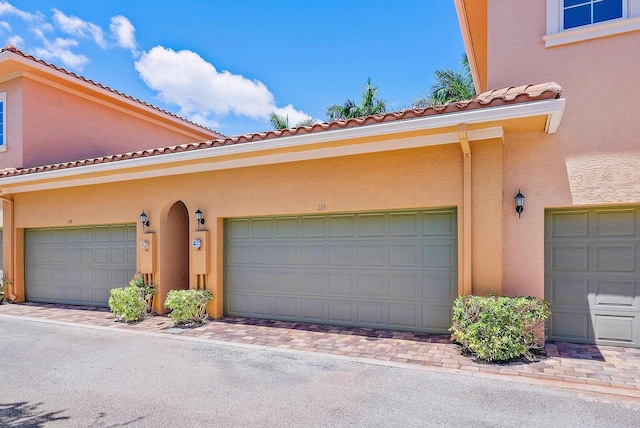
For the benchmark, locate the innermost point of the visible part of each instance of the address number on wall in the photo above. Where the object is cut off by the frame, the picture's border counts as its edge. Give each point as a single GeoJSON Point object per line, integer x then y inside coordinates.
{"type": "Point", "coordinates": [322, 207]}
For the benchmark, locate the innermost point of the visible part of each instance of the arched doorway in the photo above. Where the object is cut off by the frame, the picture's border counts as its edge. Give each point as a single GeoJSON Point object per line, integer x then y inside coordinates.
{"type": "Point", "coordinates": [174, 253]}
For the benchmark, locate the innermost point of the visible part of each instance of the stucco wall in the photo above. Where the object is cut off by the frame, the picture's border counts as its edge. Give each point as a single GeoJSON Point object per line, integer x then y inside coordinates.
{"type": "Point", "coordinates": [12, 156]}
{"type": "Point", "coordinates": [60, 126]}
{"type": "Point", "coordinates": [486, 191]}
{"type": "Point", "coordinates": [594, 159]}
{"type": "Point", "coordinates": [402, 179]}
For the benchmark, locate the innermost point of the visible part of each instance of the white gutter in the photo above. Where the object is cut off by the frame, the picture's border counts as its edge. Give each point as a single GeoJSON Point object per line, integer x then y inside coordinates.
{"type": "Point", "coordinates": [553, 109]}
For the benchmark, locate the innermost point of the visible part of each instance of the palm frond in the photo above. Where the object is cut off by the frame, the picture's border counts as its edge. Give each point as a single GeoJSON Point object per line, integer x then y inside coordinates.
{"type": "Point", "coordinates": [450, 86]}
{"type": "Point", "coordinates": [279, 122]}
{"type": "Point", "coordinates": [306, 122]}
{"type": "Point", "coordinates": [369, 105]}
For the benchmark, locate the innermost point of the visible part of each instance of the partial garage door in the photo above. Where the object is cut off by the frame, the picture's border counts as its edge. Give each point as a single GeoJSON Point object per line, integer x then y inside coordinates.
{"type": "Point", "coordinates": [78, 265]}
{"type": "Point", "coordinates": [593, 275]}
{"type": "Point", "coordinates": [1, 246]}
{"type": "Point", "coordinates": [394, 270]}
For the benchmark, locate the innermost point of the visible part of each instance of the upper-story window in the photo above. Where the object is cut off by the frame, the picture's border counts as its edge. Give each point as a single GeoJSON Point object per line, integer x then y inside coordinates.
{"type": "Point", "coordinates": [577, 13]}
{"type": "Point", "coordinates": [3, 121]}
{"type": "Point", "coordinates": [571, 21]}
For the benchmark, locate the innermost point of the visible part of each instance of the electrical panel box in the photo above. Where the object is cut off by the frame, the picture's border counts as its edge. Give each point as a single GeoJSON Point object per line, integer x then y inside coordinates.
{"type": "Point", "coordinates": [200, 252]}
{"type": "Point", "coordinates": [147, 251]}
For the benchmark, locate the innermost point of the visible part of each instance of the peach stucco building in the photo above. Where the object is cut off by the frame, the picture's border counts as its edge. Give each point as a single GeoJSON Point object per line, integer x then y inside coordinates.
{"type": "Point", "coordinates": [379, 221]}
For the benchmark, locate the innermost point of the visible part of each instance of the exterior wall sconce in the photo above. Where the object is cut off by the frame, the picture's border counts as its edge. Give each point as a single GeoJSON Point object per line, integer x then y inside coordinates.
{"type": "Point", "coordinates": [199, 218]}
{"type": "Point", "coordinates": [143, 220]}
{"type": "Point", "coordinates": [519, 203]}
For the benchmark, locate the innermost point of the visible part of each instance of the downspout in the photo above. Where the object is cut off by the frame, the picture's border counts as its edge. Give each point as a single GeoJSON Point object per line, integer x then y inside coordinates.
{"type": "Point", "coordinates": [12, 294]}
{"type": "Point", "coordinates": [466, 210]}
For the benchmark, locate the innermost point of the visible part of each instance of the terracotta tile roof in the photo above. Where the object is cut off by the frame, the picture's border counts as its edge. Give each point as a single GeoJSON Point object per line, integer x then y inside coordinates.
{"type": "Point", "coordinates": [506, 96]}
{"type": "Point", "coordinates": [13, 49]}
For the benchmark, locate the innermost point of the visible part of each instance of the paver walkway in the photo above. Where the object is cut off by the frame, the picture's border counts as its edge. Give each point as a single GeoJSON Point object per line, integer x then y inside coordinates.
{"type": "Point", "coordinates": [593, 368]}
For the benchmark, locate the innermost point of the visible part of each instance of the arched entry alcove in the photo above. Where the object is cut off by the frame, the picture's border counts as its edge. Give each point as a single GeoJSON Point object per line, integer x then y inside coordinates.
{"type": "Point", "coordinates": [174, 253]}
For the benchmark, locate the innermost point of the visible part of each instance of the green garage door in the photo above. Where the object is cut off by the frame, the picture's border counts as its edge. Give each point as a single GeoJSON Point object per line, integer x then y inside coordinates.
{"type": "Point", "coordinates": [394, 270]}
{"type": "Point", "coordinates": [78, 265]}
{"type": "Point", "coordinates": [592, 275]}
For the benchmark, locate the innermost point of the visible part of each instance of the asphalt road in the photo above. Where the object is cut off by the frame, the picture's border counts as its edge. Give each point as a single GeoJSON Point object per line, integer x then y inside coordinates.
{"type": "Point", "coordinates": [71, 376]}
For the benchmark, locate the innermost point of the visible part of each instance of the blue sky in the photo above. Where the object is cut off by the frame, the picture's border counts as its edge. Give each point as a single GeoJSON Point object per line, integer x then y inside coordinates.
{"type": "Point", "coordinates": [228, 64]}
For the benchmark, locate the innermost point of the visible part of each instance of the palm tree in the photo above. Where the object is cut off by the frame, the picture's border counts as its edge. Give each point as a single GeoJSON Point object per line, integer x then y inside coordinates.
{"type": "Point", "coordinates": [369, 105]}
{"type": "Point", "coordinates": [450, 86]}
{"type": "Point", "coordinates": [282, 122]}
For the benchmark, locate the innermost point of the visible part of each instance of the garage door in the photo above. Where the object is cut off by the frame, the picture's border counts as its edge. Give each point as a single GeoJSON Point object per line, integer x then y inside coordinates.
{"type": "Point", "coordinates": [393, 270]}
{"type": "Point", "coordinates": [78, 265]}
{"type": "Point", "coordinates": [593, 275]}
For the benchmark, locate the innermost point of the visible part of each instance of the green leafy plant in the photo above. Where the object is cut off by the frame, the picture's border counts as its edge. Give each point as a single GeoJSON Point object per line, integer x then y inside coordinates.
{"type": "Point", "coordinates": [5, 285]}
{"type": "Point", "coordinates": [132, 303]}
{"type": "Point", "coordinates": [499, 328]}
{"type": "Point", "coordinates": [188, 306]}
{"type": "Point", "coordinates": [147, 290]}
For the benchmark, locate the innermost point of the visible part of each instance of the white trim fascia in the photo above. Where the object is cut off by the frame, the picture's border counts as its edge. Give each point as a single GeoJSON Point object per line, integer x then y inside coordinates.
{"type": "Point", "coordinates": [514, 111]}
{"type": "Point", "coordinates": [593, 31]}
{"type": "Point", "coordinates": [466, 38]}
{"type": "Point", "coordinates": [554, 119]}
{"type": "Point", "coordinates": [95, 88]}
{"type": "Point", "coordinates": [268, 159]}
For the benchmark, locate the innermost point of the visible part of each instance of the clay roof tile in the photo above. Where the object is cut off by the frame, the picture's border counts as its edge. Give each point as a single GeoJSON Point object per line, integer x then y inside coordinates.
{"type": "Point", "coordinates": [548, 90]}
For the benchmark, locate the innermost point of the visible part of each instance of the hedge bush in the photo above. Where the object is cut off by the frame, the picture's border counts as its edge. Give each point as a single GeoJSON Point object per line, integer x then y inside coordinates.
{"type": "Point", "coordinates": [127, 304]}
{"type": "Point", "coordinates": [132, 303]}
{"type": "Point", "coordinates": [498, 328]}
{"type": "Point", "coordinates": [188, 306]}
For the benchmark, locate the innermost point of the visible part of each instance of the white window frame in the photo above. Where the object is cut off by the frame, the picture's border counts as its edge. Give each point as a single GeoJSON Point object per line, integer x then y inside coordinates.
{"type": "Point", "coordinates": [557, 35]}
{"type": "Point", "coordinates": [3, 142]}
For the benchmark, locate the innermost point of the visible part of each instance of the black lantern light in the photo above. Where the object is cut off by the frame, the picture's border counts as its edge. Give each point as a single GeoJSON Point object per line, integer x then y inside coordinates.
{"type": "Point", "coordinates": [143, 220]}
{"type": "Point", "coordinates": [199, 218]}
{"type": "Point", "coordinates": [519, 203]}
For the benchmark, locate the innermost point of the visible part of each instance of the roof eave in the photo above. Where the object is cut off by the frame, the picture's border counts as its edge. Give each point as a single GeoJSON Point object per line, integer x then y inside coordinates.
{"type": "Point", "coordinates": [261, 152]}
{"type": "Point", "coordinates": [115, 97]}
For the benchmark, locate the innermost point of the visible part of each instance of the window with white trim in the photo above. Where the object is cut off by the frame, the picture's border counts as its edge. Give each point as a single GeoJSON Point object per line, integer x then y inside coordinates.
{"type": "Point", "coordinates": [571, 21]}
{"type": "Point", "coordinates": [3, 121]}
{"type": "Point", "coordinates": [577, 13]}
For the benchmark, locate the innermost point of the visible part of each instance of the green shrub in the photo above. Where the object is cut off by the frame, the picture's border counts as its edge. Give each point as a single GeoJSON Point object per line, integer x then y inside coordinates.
{"type": "Point", "coordinates": [132, 303]}
{"type": "Point", "coordinates": [188, 306]}
{"type": "Point", "coordinates": [147, 290]}
{"type": "Point", "coordinates": [5, 284]}
{"type": "Point", "coordinates": [498, 328]}
{"type": "Point", "coordinates": [127, 304]}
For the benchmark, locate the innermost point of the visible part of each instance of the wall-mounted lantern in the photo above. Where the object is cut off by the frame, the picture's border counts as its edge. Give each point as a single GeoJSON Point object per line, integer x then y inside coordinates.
{"type": "Point", "coordinates": [519, 198]}
{"type": "Point", "coordinates": [144, 220]}
{"type": "Point", "coordinates": [199, 218]}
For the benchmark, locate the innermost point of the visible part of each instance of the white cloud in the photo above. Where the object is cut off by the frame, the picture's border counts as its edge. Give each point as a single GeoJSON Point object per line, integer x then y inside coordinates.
{"type": "Point", "coordinates": [59, 51]}
{"type": "Point", "coordinates": [123, 31]}
{"type": "Point", "coordinates": [185, 79]}
{"type": "Point", "coordinates": [292, 114]}
{"type": "Point", "coordinates": [75, 26]}
{"type": "Point", "coordinates": [5, 26]}
{"type": "Point", "coordinates": [16, 41]}
{"type": "Point", "coordinates": [8, 9]}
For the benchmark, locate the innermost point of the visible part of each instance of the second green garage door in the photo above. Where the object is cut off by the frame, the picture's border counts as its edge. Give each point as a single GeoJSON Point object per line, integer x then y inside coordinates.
{"type": "Point", "coordinates": [592, 275]}
{"type": "Point", "coordinates": [394, 270]}
{"type": "Point", "coordinates": [78, 265]}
